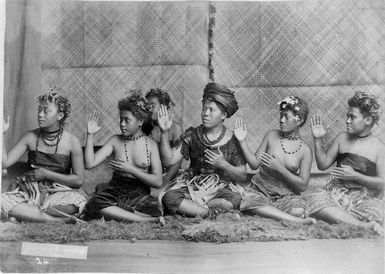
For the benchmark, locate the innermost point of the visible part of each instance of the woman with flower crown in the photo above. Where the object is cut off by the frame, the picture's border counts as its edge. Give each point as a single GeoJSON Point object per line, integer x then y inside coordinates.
{"type": "Point", "coordinates": [355, 193]}
{"type": "Point", "coordinates": [284, 161]}
{"type": "Point", "coordinates": [216, 159]}
{"type": "Point", "coordinates": [136, 166]}
{"type": "Point", "coordinates": [48, 192]}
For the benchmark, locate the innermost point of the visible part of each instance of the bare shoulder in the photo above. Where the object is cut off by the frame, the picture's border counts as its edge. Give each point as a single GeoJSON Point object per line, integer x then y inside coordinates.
{"type": "Point", "coordinates": [379, 144]}
{"type": "Point", "coordinates": [71, 139]}
{"type": "Point", "coordinates": [306, 149]}
{"type": "Point", "coordinates": [153, 144]}
{"type": "Point", "coordinates": [176, 129]}
{"type": "Point", "coordinates": [273, 134]}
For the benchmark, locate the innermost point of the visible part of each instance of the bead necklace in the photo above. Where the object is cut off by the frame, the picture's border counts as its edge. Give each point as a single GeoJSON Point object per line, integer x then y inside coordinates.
{"type": "Point", "coordinates": [133, 138]}
{"type": "Point", "coordinates": [291, 138]}
{"type": "Point", "coordinates": [48, 139]}
{"type": "Point", "coordinates": [125, 139]}
{"type": "Point", "coordinates": [205, 141]}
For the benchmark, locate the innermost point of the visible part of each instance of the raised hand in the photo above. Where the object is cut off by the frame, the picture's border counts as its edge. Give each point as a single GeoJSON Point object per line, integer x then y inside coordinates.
{"type": "Point", "coordinates": [92, 125]}
{"type": "Point", "coordinates": [215, 159]}
{"type": "Point", "coordinates": [240, 130]}
{"type": "Point", "coordinates": [6, 125]}
{"type": "Point", "coordinates": [164, 118]}
{"type": "Point", "coordinates": [317, 127]}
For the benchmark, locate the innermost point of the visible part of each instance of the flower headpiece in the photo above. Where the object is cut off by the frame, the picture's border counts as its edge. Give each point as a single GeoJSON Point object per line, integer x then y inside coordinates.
{"type": "Point", "coordinates": [135, 103]}
{"type": "Point", "coordinates": [55, 96]}
{"type": "Point", "coordinates": [290, 102]}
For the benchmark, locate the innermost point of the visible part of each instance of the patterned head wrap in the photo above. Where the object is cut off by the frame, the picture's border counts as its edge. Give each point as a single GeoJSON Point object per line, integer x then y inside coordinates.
{"type": "Point", "coordinates": [221, 95]}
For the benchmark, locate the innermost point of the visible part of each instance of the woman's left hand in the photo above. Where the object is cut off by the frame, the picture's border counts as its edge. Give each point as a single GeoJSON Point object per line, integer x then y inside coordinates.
{"type": "Point", "coordinates": [215, 159]}
{"type": "Point", "coordinates": [270, 161]}
{"type": "Point", "coordinates": [120, 165]}
{"type": "Point", "coordinates": [344, 173]}
{"type": "Point", "coordinates": [38, 174]}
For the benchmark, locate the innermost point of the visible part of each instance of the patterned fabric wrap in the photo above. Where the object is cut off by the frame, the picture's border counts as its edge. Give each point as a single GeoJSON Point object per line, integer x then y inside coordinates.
{"type": "Point", "coordinates": [126, 193]}
{"type": "Point", "coordinates": [47, 193]}
{"type": "Point", "coordinates": [201, 179]}
{"type": "Point", "coordinates": [264, 190]}
{"type": "Point", "coordinates": [193, 149]}
{"type": "Point", "coordinates": [363, 203]}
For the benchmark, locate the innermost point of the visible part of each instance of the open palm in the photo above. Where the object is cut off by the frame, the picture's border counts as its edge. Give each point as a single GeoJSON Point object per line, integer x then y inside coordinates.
{"type": "Point", "coordinates": [240, 130]}
{"type": "Point", "coordinates": [164, 119]}
{"type": "Point", "coordinates": [92, 125]}
{"type": "Point", "coordinates": [317, 127]}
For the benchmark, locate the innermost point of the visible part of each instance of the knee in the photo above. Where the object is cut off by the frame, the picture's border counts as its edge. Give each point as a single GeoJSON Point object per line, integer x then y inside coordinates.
{"type": "Point", "coordinates": [297, 212]}
{"type": "Point", "coordinates": [172, 200]}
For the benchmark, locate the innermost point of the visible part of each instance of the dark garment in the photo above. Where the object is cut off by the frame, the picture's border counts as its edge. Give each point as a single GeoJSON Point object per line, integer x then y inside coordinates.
{"type": "Point", "coordinates": [359, 164]}
{"type": "Point", "coordinates": [59, 163]}
{"type": "Point", "coordinates": [173, 198]}
{"type": "Point", "coordinates": [366, 204]}
{"type": "Point", "coordinates": [193, 149]}
{"type": "Point", "coordinates": [126, 193]}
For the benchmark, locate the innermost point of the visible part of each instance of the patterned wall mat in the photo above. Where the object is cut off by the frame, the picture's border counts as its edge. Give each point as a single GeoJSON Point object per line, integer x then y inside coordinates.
{"type": "Point", "coordinates": [311, 43]}
{"type": "Point", "coordinates": [116, 34]}
{"type": "Point", "coordinates": [100, 89]}
{"type": "Point", "coordinates": [260, 111]}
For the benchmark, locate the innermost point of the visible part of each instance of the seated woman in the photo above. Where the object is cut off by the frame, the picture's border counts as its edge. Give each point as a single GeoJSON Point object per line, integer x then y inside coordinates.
{"type": "Point", "coordinates": [47, 193]}
{"type": "Point", "coordinates": [284, 160]}
{"type": "Point", "coordinates": [136, 166]}
{"type": "Point", "coordinates": [157, 98]}
{"type": "Point", "coordinates": [355, 193]}
{"type": "Point", "coordinates": [216, 159]}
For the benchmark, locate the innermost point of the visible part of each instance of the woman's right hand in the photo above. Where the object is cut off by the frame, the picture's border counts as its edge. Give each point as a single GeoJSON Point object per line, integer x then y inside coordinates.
{"type": "Point", "coordinates": [164, 119]}
{"type": "Point", "coordinates": [92, 125]}
{"type": "Point", "coordinates": [240, 130]}
{"type": "Point", "coordinates": [6, 125]}
{"type": "Point", "coordinates": [317, 127]}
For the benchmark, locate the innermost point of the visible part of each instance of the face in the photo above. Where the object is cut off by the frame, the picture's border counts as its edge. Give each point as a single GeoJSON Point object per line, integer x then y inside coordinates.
{"type": "Point", "coordinates": [211, 114]}
{"type": "Point", "coordinates": [129, 124]}
{"type": "Point", "coordinates": [288, 122]}
{"type": "Point", "coordinates": [155, 105]}
{"type": "Point", "coordinates": [356, 122]}
{"type": "Point", "coordinates": [48, 115]}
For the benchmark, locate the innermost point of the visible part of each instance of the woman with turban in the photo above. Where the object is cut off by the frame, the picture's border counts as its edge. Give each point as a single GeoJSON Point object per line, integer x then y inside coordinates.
{"type": "Point", "coordinates": [216, 158]}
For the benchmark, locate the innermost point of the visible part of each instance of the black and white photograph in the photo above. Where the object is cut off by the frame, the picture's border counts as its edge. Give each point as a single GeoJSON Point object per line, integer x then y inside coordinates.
{"type": "Point", "coordinates": [192, 136]}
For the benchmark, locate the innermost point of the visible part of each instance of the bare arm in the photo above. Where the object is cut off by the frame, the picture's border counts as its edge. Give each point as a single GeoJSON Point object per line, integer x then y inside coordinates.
{"type": "Point", "coordinates": [170, 156]}
{"type": "Point", "coordinates": [324, 158]}
{"type": "Point", "coordinates": [92, 159]}
{"type": "Point", "coordinates": [173, 170]}
{"type": "Point", "coordinates": [240, 133]}
{"type": "Point", "coordinates": [11, 157]}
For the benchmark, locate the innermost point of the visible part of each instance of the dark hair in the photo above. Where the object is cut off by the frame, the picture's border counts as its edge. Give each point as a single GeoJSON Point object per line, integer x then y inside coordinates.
{"type": "Point", "coordinates": [137, 105]}
{"type": "Point", "coordinates": [163, 97]}
{"type": "Point", "coordinates": [60, 101]}
{"type": "Point", "coordinates": [367, 105]}
{"type": "Point", "coordinates": [297, 105]}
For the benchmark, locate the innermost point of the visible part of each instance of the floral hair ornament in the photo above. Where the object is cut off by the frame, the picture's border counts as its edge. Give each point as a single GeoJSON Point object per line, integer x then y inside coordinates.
{"type": "Point", "coordinates": [292, 102]}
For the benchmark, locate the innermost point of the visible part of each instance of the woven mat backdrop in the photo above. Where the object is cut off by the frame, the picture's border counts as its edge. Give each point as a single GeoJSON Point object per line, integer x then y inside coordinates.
{"type": "Point", "coordinates": [305, 43]}
{"type": "Point", "coordinates": [97, 51]}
